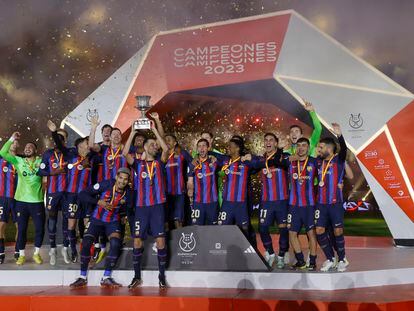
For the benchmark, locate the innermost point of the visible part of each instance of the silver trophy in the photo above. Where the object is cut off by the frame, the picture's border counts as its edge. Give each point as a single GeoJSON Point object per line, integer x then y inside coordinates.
{"type": "Point", "coordinates": [143, 123]}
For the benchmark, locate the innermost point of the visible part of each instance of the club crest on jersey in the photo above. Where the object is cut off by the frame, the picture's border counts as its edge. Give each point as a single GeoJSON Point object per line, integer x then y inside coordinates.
{"type": "Point", "coordinates": [122, 202]}
{"type": "Point", "coordinates": [309, 168]}
{"type": "Point", "coordinates": [80, 167]}
{"type": "Point", "coordinates": [55, 165]}
{"type": "Point", "coordinates": [200, 175]}
{"type": "Point", "coordinates": [144, 175]}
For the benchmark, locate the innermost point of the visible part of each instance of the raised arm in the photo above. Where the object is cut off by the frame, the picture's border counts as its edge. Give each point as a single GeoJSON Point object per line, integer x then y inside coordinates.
{"type": "Point", "coordinates": [5, 151]}
{"type": "Point", "coordinates": [164, 147]}
{"type": "Point", "coordinates": [317, 128]}
{"type": "Point", "coordinates": [342, 144]}
{"type": "Point", "coordinates": [157, 120]}
{"type": "Point", "coordinates": [94, 125]}
{"type": "Point", "coordinates": [125, 151]}
{"type": "Point", "coordinates": [56, 139]}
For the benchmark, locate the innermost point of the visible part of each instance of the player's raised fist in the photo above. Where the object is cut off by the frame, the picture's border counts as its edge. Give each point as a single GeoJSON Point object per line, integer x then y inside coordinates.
{"type": "Point", "coordinates": [95, 121]}
{"type": "Point", "coordinates": [154, 115]}
{"type": "Point", "coordinates": [51, 126]}
{"type": "Point", "coordinates": [16, 136]}
{"type": "Point", "coordinates": [308, 106]}
{"type": "Point", "coordinates": [336, 129]}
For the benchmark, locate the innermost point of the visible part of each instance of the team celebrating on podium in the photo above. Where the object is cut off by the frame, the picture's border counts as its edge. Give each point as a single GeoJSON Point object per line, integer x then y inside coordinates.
{"type": "Point", "coordinates": [152, 184]}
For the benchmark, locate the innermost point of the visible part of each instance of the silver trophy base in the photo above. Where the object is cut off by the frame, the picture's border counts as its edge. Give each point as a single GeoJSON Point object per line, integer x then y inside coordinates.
{"type": "Point", "coordinates": [142, 124]}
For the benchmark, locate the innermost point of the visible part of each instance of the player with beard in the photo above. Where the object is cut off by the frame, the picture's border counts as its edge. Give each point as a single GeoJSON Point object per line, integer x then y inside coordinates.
{"type": "Point", "coordinates": [8, 183]}
{"type": "Point", "coordinates": [111, 198]}
{"type": "Point", "coordinates": [53, 168]}
{"type": "Point", "coordinates": [29, 196]}
{"type": "Point", "coordinates": [329, 209]}
{"type": "Point", "coordinates": [330, 229]}
{"type": "Point", "coordinates": [150, 198]}
{"type": "Point", "coordinates": [296, 132]}
{"type": "Point", "coordinates": [79, 177]}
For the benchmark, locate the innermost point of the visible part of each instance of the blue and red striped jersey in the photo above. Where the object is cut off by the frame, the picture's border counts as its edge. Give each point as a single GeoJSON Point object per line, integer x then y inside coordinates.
{"type": "Point", "coordinates": [8, 179]}
{"type": "Point", "coordinates": [105, 190]}
{"type": "Point", "coordinates": [176, 172]}
{"type": "Point", "coordinates": [149, 183]}
{"type": "Point", "coordinates": [79, 172]}
{"type": "Point", "coordinates": [205, 181]}
{"type": "Point", "coordinates": [330, 174]}
{"type": "Point", "coordinates": [53, 160]}
{"type": "Point", "coordinates": [235, 180]}
{"type": "Point", "coordinates": [302, 182]}
{"type": "Point", "coordinates": [275, 185]}
{"type": "Point", "coordinates": [111, 161]}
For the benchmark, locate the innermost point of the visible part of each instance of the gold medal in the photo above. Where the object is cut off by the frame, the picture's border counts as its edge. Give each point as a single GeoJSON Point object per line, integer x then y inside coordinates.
{"type": "Point", "coordinates": [269, 175]}
{"type": "Point", "coordinates": [325, 170]}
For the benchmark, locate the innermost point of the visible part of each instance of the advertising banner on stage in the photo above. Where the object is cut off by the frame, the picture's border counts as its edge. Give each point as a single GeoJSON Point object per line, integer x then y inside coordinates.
{"type": "Point", "coordinates": [200, 248]}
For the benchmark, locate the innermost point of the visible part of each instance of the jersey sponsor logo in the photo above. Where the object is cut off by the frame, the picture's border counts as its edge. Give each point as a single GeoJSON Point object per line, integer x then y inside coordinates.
{"type": "Point", "coordinates": [171, 164]}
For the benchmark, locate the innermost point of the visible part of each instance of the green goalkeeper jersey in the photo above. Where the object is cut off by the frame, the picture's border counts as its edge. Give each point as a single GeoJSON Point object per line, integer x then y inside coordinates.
{"type": "Point", "coordinates": [29, 184]}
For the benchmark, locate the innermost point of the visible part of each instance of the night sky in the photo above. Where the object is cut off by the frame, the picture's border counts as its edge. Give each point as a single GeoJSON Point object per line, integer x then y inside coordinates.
{"type": "Point", "coordinates": [55, 53]}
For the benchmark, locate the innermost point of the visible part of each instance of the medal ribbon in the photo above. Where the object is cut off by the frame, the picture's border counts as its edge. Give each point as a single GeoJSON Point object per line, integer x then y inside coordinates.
{"type": "Point", "coordinates": [325, 169]}
{"type": "Point", "coordinates": [31, 165]}
{"type": "Point", "coordinates": [113, 195]}
{"type": "Point", "coordinates": [78, 161]}
{"type": "Point", "coordinates": [225, 167]}
{"type": "Point", "coordinates": [300, 171]}
{"type": "Point", "coordinates": [267, 159]}
{"type": "Point", "coordinates": [114, 155]}
{"type": "Point", "coordinates": [60, 159]}
{"type": "Point", "coordinates": [171, 155]}
{"type": "Point", "coordinates": [150, 170]}
{"type": "Point", "coordinates": [199, 166]}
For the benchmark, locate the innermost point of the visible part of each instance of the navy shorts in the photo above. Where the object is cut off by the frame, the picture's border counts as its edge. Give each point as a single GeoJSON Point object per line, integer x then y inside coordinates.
{"type": "Point", "coordinates": [149, 220]}
{"type": "Point", "coordinates": [301, 216]}
{"type": "Point", "coordinates": [72, 207]}
{"type": "Point", "coordinates": [273, 211]}
{"type": "Point", "coordinates": [54, 202]}
{"type": "Point", "coordinates": [329, 215]}
{"type": "Point", "coordinates": [97, 227]}
{"type": "Point", "coordinates": [175, 207]}
{"type": "Point", "coordinates": [7, 207]}
{"type": "Point", "coordinates": [204, 213]}
{"type": "Point", "coordinates": [233, 213]}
